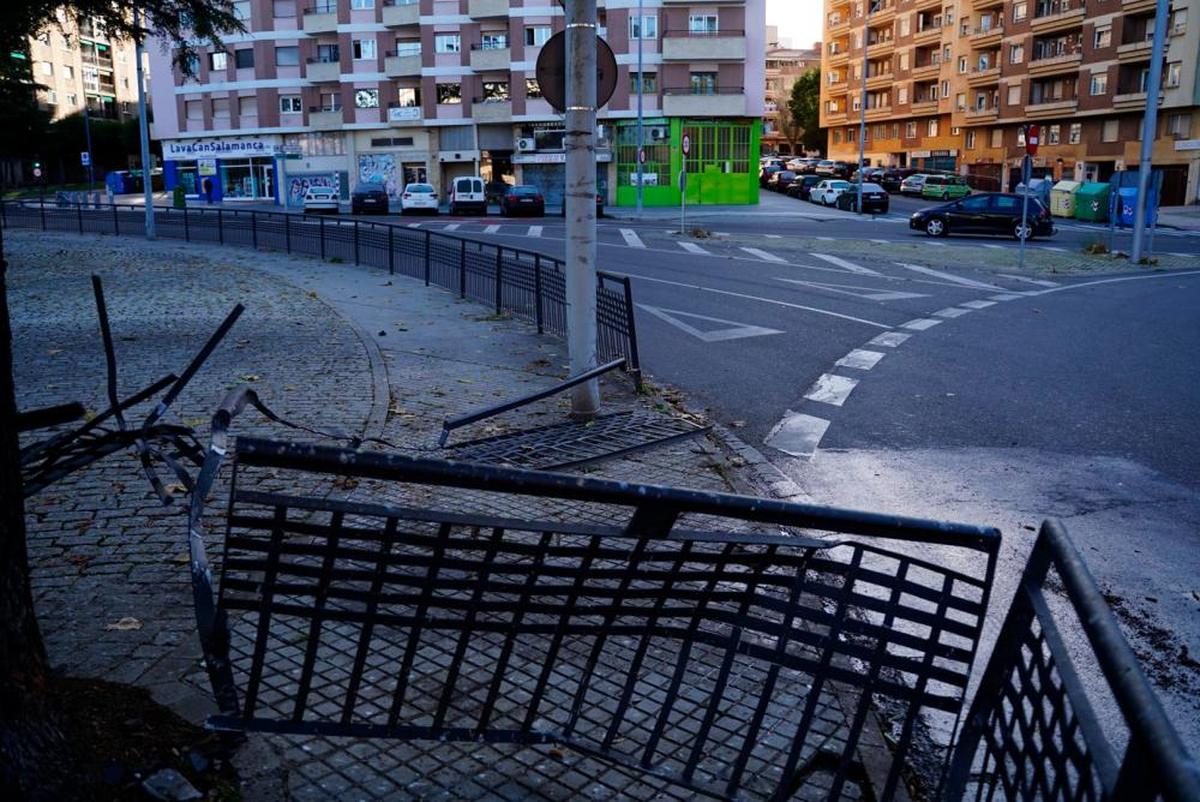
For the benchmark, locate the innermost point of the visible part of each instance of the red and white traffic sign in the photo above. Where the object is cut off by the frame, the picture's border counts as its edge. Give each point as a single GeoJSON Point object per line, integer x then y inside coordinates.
{"type": "Point", "coordinates": [1032, 134]}
{"type": "Point", "coordinates": [641, 155]}
{"type": "Point", "coordinates": [37, 172]}
{"type": "Point", "coordinates": [686, 144]}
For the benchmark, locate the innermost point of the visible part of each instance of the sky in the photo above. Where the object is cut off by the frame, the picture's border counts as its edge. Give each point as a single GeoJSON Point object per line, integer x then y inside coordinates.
{"type": "Point", "coordinates": [798, 20]}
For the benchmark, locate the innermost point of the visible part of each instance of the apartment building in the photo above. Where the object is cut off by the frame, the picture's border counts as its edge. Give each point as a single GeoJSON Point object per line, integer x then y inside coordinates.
{"type": "Point", "coordinates": [785, 64]}
{"type": "Point", "coordinates": [78, 65]}
{"type": "Point", "coordinates": [338, 92]}
{"type": "Point", "coordinates": [950, 83]}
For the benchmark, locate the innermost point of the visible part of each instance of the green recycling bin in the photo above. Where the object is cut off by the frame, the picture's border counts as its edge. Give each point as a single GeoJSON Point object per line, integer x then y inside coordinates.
{"type": "Point", "coordinates": [1091, 202]}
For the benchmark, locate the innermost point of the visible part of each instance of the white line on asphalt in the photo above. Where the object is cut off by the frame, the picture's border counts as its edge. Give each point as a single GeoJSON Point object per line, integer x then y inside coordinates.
{"type": "Point", "coordinates": [535, 231]}
{"type": "Point", "coordinates": [825, 239]}
{"type": "Point", "coordinates": [966, 282]}
{"type": "Point", "coordinates": [413, 225]}
{"type": "Point", "coordinates": [977, 304]}
{"type": "Point", "coordinates": [1185, 255]}
{"type": "Point", "coordinates": [951, 311]}
{"type": "Point", "coordinates": [839, 262]}
{"type": "Point", "coordinates": [860, 359]}
{"type": "Point", "coordinates": [766, 257]}
{"type": "Point", "coordinates": [797, 434]}
{"type": "Point", "coordinates": [733, 330]}
{"type": "Point", "coordinates": [1008, 296]}
{"type": "Point", "coordinates": [1027, 280]}
{"type": "Point", "coordinates": [720, 233]}
{"type": "Point", "coordinates": [993, 246]}
{"type": "Point", "coordinates": [881, 241]}
{"type": "Point", "coordinates": [890, 339]}
{"type": "Point", "coordinates": [692, 247]}
{"type": "Point", "coordinates": [870, 293]}
{"type": "Point", "coordinates": [492, 229]}
{"type": "Point", "coordinates": [759, 298]}
{"type": "Point", "coordinates": [1116, 280]}
{"type": "Point", "coordinates": [1053, 248]}
{"type": "Point", "coordinates": [773, 236]}
{"type": "Point", "coordinates": [920, 324]}
{"type": "Point", "coordinates": [450, 227]}
{"type": "Point", "coordinates": [831, 389]}
{"type": "Point", "coordinates": [631, 238]}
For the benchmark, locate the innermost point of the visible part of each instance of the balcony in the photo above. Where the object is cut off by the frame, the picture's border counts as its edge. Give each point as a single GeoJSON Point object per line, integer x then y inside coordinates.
{"type": "Point", "coordinates": [839, 25]}
{"type": "Point", "coordinates": [1050, 108]}
{"type": "Point", "coordinates": [483, 9]}
{"type": "Point", "coordinates": [984, 5]}
{"type": "Point", "coordinates": [837, 89]}
{"type": "Point", "coordinates": [879, 113]}
{"type": "Point", "coordinates": [729, 45]}
{"type": "Point", "coordinates": [926, 71]}
{"type": "Point", "coordinates": [880, 81]}
{"type": "Point", "coordinates": [986, 37]}
{"type": "Point", "coordinates": [401, 12]}
{"type": "Point", "coordinates": [983, 115]}
{"type": "Point", "coordinates": [325, 117]}
{"type": "Point", "coordinates": [1134, 6]}
{"type": "Point", "coordinates": [984, 77]}
{"type": "Point", "coordinates": [321, 71]}
{"type": "Point", "coordinates": [403, 115]}
{"type": "Point", "coordinates": [492, 111]}
{"type": "Point", "coordinates": [1057, 15]}
{"type": "Point", "coordinates": [396, 66]}
{"type": "Point", "coordinates": [922, 5]}
{"type": "Point", "coordinates": [1049, 66]}
{"type": "Point", "coordinates": [1135, 51]}
{"type": "Point", "coordinates": [490, 59]}
{"type": "Point", "coordinates": [881, 47]}
{"type": "Point", "coordinates": [833, 118]}
{"type": "Point", "coordinates": [684, 102]}
{"type": "Point", "coordinates": [924, 106]}
{"type": "Point", "coordinates": [320, 20]}
{"type": "Point", "coordinates": [1130, 100]}
{"type": "Point", "coordinates": [837, 57]}
{"type": "Point", "coordinates": [928, 35]}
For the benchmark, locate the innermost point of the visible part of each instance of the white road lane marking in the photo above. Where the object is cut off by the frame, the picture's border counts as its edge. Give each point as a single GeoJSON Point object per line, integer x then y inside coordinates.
{"type": "Point", "coordinates": [1027, 280]}
{"type": "Point", "coordinates": [842, 263]}
{"type": "Point", "coordinates": [870, 293]}
{"type": "Point", "coordinates": [797, 434]}
{"type": "Point", "coordinates": [766, 257]}
{"type": "Point", "coordinates": [733, 330]}
{"type": "Point", "coordinates": [920, 324]}
{"type": "Point", "coordinates": [413, 225]}
{"type": "Point", "coordinates": [977, 304]}
{"type": "Point", "coordinates": [890, 339]}
{"type": "Point", "coordinates": [881, 241]}
{"type": "Point", "coordinates": [773, 236]}
{"type": "Point", "coordinates": [631, 238]}
{"type": "Point", "coordinates": [535, 231]}
{"type": "Point", "coordinates": [492, 229]}
{"type": "Point", "coordinates": [451, 227]}
{"type": "Point", "coordinates": [831, 389]}
{"type": "Point", "coordinates": [1118, 280]}
{"type": "Point", "coordinates": [993, 246]}
{"type": "Point", "coordinates": [774, 301]}
{"type": "Point", "coordinates": [1053, 248]}
{"type": "Point", "coordinates": [1008, 296]}
{"type": "Point", "coordinates": [860, 359]}
{"type": "Point", "coordinates": [826, 239]}
{"type": "Point", "coordinates": [966, 282]}
{"type": "Point", "coordinates": [951, 312]}
{"type": "Point", "coordinates": [692, 247]}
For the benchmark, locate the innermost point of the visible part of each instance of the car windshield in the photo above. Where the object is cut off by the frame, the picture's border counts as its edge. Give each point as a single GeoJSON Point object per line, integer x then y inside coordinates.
{"type": "Point", "coordinates": [839, 184]}
{"type": "Point", "coordinates": [525, 191]}
{"type": "Point", "coordinates": [868, 187]}
{"type": "Point", "coordinates": [370, 188]}
{"type": "Point", "coordinates": [421, 188]}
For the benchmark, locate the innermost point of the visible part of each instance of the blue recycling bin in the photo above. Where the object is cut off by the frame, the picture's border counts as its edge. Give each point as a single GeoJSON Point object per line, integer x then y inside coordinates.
{"type": "Point", "coordinates": [1126, 206]}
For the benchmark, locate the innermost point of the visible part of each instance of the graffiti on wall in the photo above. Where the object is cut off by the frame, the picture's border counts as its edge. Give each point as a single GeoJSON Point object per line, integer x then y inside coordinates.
{"type": "Point", "coordinates": [379, 168]}
{"type": "Point", "coordinates": [298, 185]}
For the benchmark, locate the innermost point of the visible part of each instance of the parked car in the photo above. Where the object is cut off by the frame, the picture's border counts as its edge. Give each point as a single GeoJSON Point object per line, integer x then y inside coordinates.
{"type": "Point", "coordinates": [913, 184]}
{"type": "Point", "coordinates": [369, 197]}
{"type": "Point", "coordinates": [891, 179]}
{"type": "Point", "coordinates": [764, 175]}
{"type": "Point", "coordinates": [872, 175]}
{"type": "Point", "coordinates": [780, 181]}
{"type": "Point", "coordinates": [945, 187]}
{"type": "Point", "coordinates": [321, 200]}
{"type": "Point", "coordinates": [827, 191]}
{"type": "Point", "coordinates": [985, 213]}
{"type": "Point", "coordinates": [467, 194]}
{"type": "Point", "coordinates": [802, 186]}
{"type": "Point", "coordinates": [824, 167]}
{"type": "Point", "coordinates": [875, 199]}
{"type": "Point", "coordinates": [418, 198]}
{"type": "Point", "coordinates": [522, 199]}
{"type": "Point", "coordinates": [495, 190]}
{"type": "Point", "coordinates": [808, 166]}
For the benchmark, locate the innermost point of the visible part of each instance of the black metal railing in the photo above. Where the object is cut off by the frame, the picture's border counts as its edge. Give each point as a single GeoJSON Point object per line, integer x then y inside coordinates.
{"type": "Point", "coordinates": [525, 284]}
{"type": "Point", "coordinates": [688, 32]}
{"type": "Point", "coordinates": [704, 90]}
{"type": "Point", "coordinates": [319, 109]}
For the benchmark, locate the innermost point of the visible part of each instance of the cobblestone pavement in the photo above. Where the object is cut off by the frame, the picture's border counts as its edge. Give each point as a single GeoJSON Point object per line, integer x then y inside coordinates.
{"type": "Point", "coordinates": [321, 343]}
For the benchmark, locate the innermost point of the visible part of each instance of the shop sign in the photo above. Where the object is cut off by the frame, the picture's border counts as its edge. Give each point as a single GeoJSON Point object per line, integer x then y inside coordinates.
{"type": "Point", "coordinates": [602, 156]}
{"type": "Point", "coordinates": [920, 154]}
{"type": "Point", "coordinates": [206, 166]}
{"type": "Point", "coordinates": [220, 148]}
{"type": "Point", "coordinates": [648, 179]}
{"type": "Point", "coordinates": [1187, 144]}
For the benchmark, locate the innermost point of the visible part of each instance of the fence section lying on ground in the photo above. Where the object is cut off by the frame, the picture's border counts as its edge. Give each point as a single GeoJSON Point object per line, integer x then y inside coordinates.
{"type": "Point", "coordinates": [526, 284]}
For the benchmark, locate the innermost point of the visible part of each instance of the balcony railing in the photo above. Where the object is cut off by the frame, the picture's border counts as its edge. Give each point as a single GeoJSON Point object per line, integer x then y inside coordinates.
{"type": "Point", "coordinates": [704, 90]}
{"type": "Point", "coordinates": [320, 109]}
{"type": "Point", "coordinates": [694, 33]}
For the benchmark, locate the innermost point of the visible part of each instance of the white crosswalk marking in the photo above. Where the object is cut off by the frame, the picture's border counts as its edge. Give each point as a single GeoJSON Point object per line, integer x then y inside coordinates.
{"type": "Point", "coordinates": [831, 389]}
{"type": "Point", "coordinates": [773, 236]}
{"type": "Point", "coordinates": [1185, 255]}
{"type": "Point", "coordinates": [766, 257]}
{"type": "Point", "coordinates": [966, 282]}
{"type": "Point", "coordinates": [692, 247]}
{"type": "Point", "coordinates": [798, 434]}
{"type": "Point", "coordinates": [890, 339]}
{"type": "Point", "coordinates": [842, 263]}
{"type": "Point", "coordinates": [977, 304]}
{"type": "Point", "coordinates": [450, 227]}
{"type": "Point", "coordinates": [881, 241]}
{"type": "Point", "coordinates": [535, 231]}
{"type": "Point", "coordinates": [413, 225]}
{"type": "Point", "coordinates": [860, 359]}
{"type": "Point", "coordinates": [1053, 248]}
{"type": "Point", "coordinates": [1027, 280]}
{"type": "Point", "coordinates": [920, 324]}
{"type": "Point", "coordinates": [492, 229]}
{"type": "Point", "coordinates": [1008, 296]}
{"type": "Point", "coordinates": [993, 246]}
{"type": "Point", "coordinates": [631, 238]}
{"type": "Point", "coordinates": [825, 239]}
{"type": "Point", "coordinates": [951, 311]}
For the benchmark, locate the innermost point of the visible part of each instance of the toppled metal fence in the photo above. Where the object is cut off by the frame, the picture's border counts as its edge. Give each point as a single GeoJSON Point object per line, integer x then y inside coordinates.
{"type": "Point", "coordinates": [523, 283]}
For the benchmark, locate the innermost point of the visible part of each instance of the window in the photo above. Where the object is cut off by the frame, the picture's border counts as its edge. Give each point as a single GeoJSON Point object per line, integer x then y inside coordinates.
{"type": "Point", "coordinates": [649, 82]}
{"type": "Point", "coordinates": [537, 35]}
{"type": "Point", "coordinates": [1178, 21]}
{"type": "Point", "coordinates": [1020, 11]}
{"type": "Point", "coordinates": [1075, 133]}
{"type": "Point", "coordinates": [366, 98]}
{"type": "Point", "coordinates": [978, 203]}
{"type": "Point", "coordinates": [1174, 73]}
{"type": "Point", "coordinates": [408, 48]}
{"type": "Point", "coordinates": [47, 68]}
{"type": "Point", "coordinates": [931, 127]}
{"type": "Point", "coordinates": [69, 72]}
{"type": "Point", "coordinates": [1109, 131]}
{"type": "Point", "coordinates": [702, 23]}
{"type": "Point", "coordinates": [193, 110]}
{"type": "Point", "coordinates": [248, 106]}
{"type": "Point", "coordinates": [1103, 38]}
{"type": "Point", "coordinates": [910, 129]}
{"type": "Point", "coordinates": [493, 41]}
{"type": "Point", "coordinates": [1099, 83]}
{"type": "Point", "coordinates": [1053, 135]}
{"type": "Point", "coordinates": [328, 54]}
{"type": "Point", "coordinates": [283, 8]}
{"type": "Point", "coordinates": [970, 140]}
{"type": "Point", "coordinates": [1016, 54]}
{"type": "Point", "coordinates": [220, 106]}
{"type": "Point", "coordinates": [837, 136]}
{"type": "Point", "coordinates": [447, 43]}
{"type": "Point", "coordinates": [703, 83]}
{"type": "Point", "coordinates": [997, 138]}
{"type": "Point", "coordinates": [904, 60]}
{"type": "Point", "coordinates": [532, 90]}
{"type": "Point", "coordinates": [945, 89]}
{"type": "Point", "coordinates": [1014, 95]}
{"type": "Point", "coordinates": [331, 101]}
{"type": "Point", "coordinates": [243, 59]}
{"type": "Point", "coordinates": [316, 144]}
{"type": "Point", "coordinates": [1179, 125]}
{"type": "Point", "coordinates": [449, 93]}
{"type": "Point", "coordinates": [218, 61]}
{"type": "Point", "coordinates": [288, 56]}
{"type": "Point", "coordinates": [408, 96]}
{"type": "Point", "coordinates": [241, 10]}
{"type": "Point", "coordinates": [72, 100]}
{"type": "Point", "coordinates": [362, 5]}
{"type": "Point", "coordinates": [290, 104]}
{"type": "Point", "coordinates": [52, 97]}
{"type": "Point", "coordinates": [647, 29]}
{"type": "Point", "coordinates": [895, 130]}
{"type": "Point", "coordinates": [495, 91]}
{"type": "Point", "coordinates": [962, 65]}
{"type": "Point", "coordinates": [960, 100]}
{"type": "Point", "coordinates": [363, 49]}
{"type": "Point", "coordinates": [905, 25]}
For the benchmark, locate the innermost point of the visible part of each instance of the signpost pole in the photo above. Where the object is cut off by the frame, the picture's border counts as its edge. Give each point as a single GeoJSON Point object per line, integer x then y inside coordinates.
{"type": "Point", "coordinates": [87, 135]}
{"type": "Point", "coordinates": [144, 131]}
{"type": "Point", "coordinates": [641, 143]}
{"type": "Point", "coordinates": [686, 148]}
{"type": "Point", "coordinates": [1025, 178]}
{"type": "Point", "coordinates": [1149, 127]}
{"type": "Point", "coordinates": [862, 116]}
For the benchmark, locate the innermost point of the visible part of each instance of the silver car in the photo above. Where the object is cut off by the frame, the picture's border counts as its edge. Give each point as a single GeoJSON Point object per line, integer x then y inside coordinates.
{"type": "Point", "coordinates": [913, 185]}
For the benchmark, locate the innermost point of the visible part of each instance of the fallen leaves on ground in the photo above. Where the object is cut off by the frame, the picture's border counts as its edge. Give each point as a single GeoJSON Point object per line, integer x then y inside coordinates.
{"type": "Point", "coordinates": [124, 625]}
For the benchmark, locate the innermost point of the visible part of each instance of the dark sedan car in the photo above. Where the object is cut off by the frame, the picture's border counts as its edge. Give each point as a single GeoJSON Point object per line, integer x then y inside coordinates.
{"type": "Point", "coordinates": [765, 174]}
{"type": "Point", "coordinates": [890, 180]}
{"type": "Point", "coordinates": [781, 180]}
{"type": "Point", "coordinates": [874, 199]}
{"type": "Point", "coordinates": [522, 199]}
{"type": "Point", "coordinates": [802, 186]}
{"type": "Point", "coordinates": [369, 198]}
{"type": "Point", "coordinates": [989, 213]}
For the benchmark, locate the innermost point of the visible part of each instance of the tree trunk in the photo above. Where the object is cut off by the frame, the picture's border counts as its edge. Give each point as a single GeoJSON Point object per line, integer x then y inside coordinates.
{"type": "Point", "coordinates": [33, 750]}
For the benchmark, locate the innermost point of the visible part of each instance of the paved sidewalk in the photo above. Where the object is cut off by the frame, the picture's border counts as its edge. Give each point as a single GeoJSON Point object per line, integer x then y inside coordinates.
{"type": "Point", "coordinates": [1186, 218]}
{"type": "Point", "coordinates": [332, 346]}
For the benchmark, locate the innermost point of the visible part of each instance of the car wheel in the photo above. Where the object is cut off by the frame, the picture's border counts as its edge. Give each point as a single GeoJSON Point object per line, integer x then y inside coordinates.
{"type": "Point", "coordinates": [1022, 232]}
{"type": "Point", "coordinates": [935, 227]}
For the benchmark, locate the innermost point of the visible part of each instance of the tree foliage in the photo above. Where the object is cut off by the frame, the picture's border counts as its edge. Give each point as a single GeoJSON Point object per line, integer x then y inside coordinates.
{"type": "Point", "coordinates": [805, 109]}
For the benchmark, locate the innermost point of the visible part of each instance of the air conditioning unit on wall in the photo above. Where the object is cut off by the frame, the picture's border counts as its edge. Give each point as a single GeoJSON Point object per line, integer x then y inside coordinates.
{"type": "Point", "coordinates": [658, 133]}
{"type": "Point", "coordinates": [526, 144]}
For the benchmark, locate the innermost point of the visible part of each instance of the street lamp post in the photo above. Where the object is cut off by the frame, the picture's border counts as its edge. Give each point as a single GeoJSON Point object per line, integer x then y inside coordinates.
{"type": "Point", "coordinates": [862, 118]}
{"type": "Point", "coordinates": [87, 136]}
{"type": "Point", "coordinates": [144, 130]}
{"type": "Point", "coordinates": [1149, 126]}
{"type": "Point", "coordinates": [640, 141]}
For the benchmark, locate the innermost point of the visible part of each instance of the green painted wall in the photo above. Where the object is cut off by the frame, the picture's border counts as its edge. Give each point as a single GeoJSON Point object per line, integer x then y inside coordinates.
{"type": "Point", "coordinates": [722, 165]}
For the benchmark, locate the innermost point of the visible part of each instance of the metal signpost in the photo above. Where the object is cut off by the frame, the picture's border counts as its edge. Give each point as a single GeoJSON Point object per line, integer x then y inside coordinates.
{"type": "Point", "coordinates": [641, 144]}
{"type": "Point", "coordinates": [1032, 133]}
{"type": "Point", "coordinates": [144, 133]}
{"type": "Point", "coordinates": [686, 147]}
{"type": "Point", "coordinates": [1149, 126]}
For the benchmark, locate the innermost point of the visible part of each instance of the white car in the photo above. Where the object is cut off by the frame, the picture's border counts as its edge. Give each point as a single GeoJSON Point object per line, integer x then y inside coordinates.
{"type": "Point", "coordinates": [826, 192]}
{"type": "Point", "coordinates": [321, 200]}
{"type": "Point", "coordinates": [467, 194]}
{"type": "Point", "coordinates": [913, 185]}
{"type": "Point", "coordinates": [419, 198]}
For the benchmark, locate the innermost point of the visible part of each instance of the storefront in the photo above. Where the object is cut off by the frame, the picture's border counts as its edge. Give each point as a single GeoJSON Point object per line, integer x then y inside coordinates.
{"type": "Point", "coordinates": [722, 163]}
{"type": "Point", "coordinates": [222, 169]}
{"type": "Point", "coordinates": [548, 172]}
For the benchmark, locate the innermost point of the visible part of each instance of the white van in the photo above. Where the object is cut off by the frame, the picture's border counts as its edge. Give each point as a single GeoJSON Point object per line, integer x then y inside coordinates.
{"type": "Point", "coordinates": [467, 194]}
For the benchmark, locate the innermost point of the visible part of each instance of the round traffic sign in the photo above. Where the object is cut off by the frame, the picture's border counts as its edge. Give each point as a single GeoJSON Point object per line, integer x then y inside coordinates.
{"type": "Point", "coordinates": [641, 155]}
{"type": "Point", "coordinates": [37, 172]}
{"type": "Point", "coordinates": [686, 144]}
{"type": "Point", "coordinates": [1031, 139]}
{"type": "Point", "coordinates": [551, 71]}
